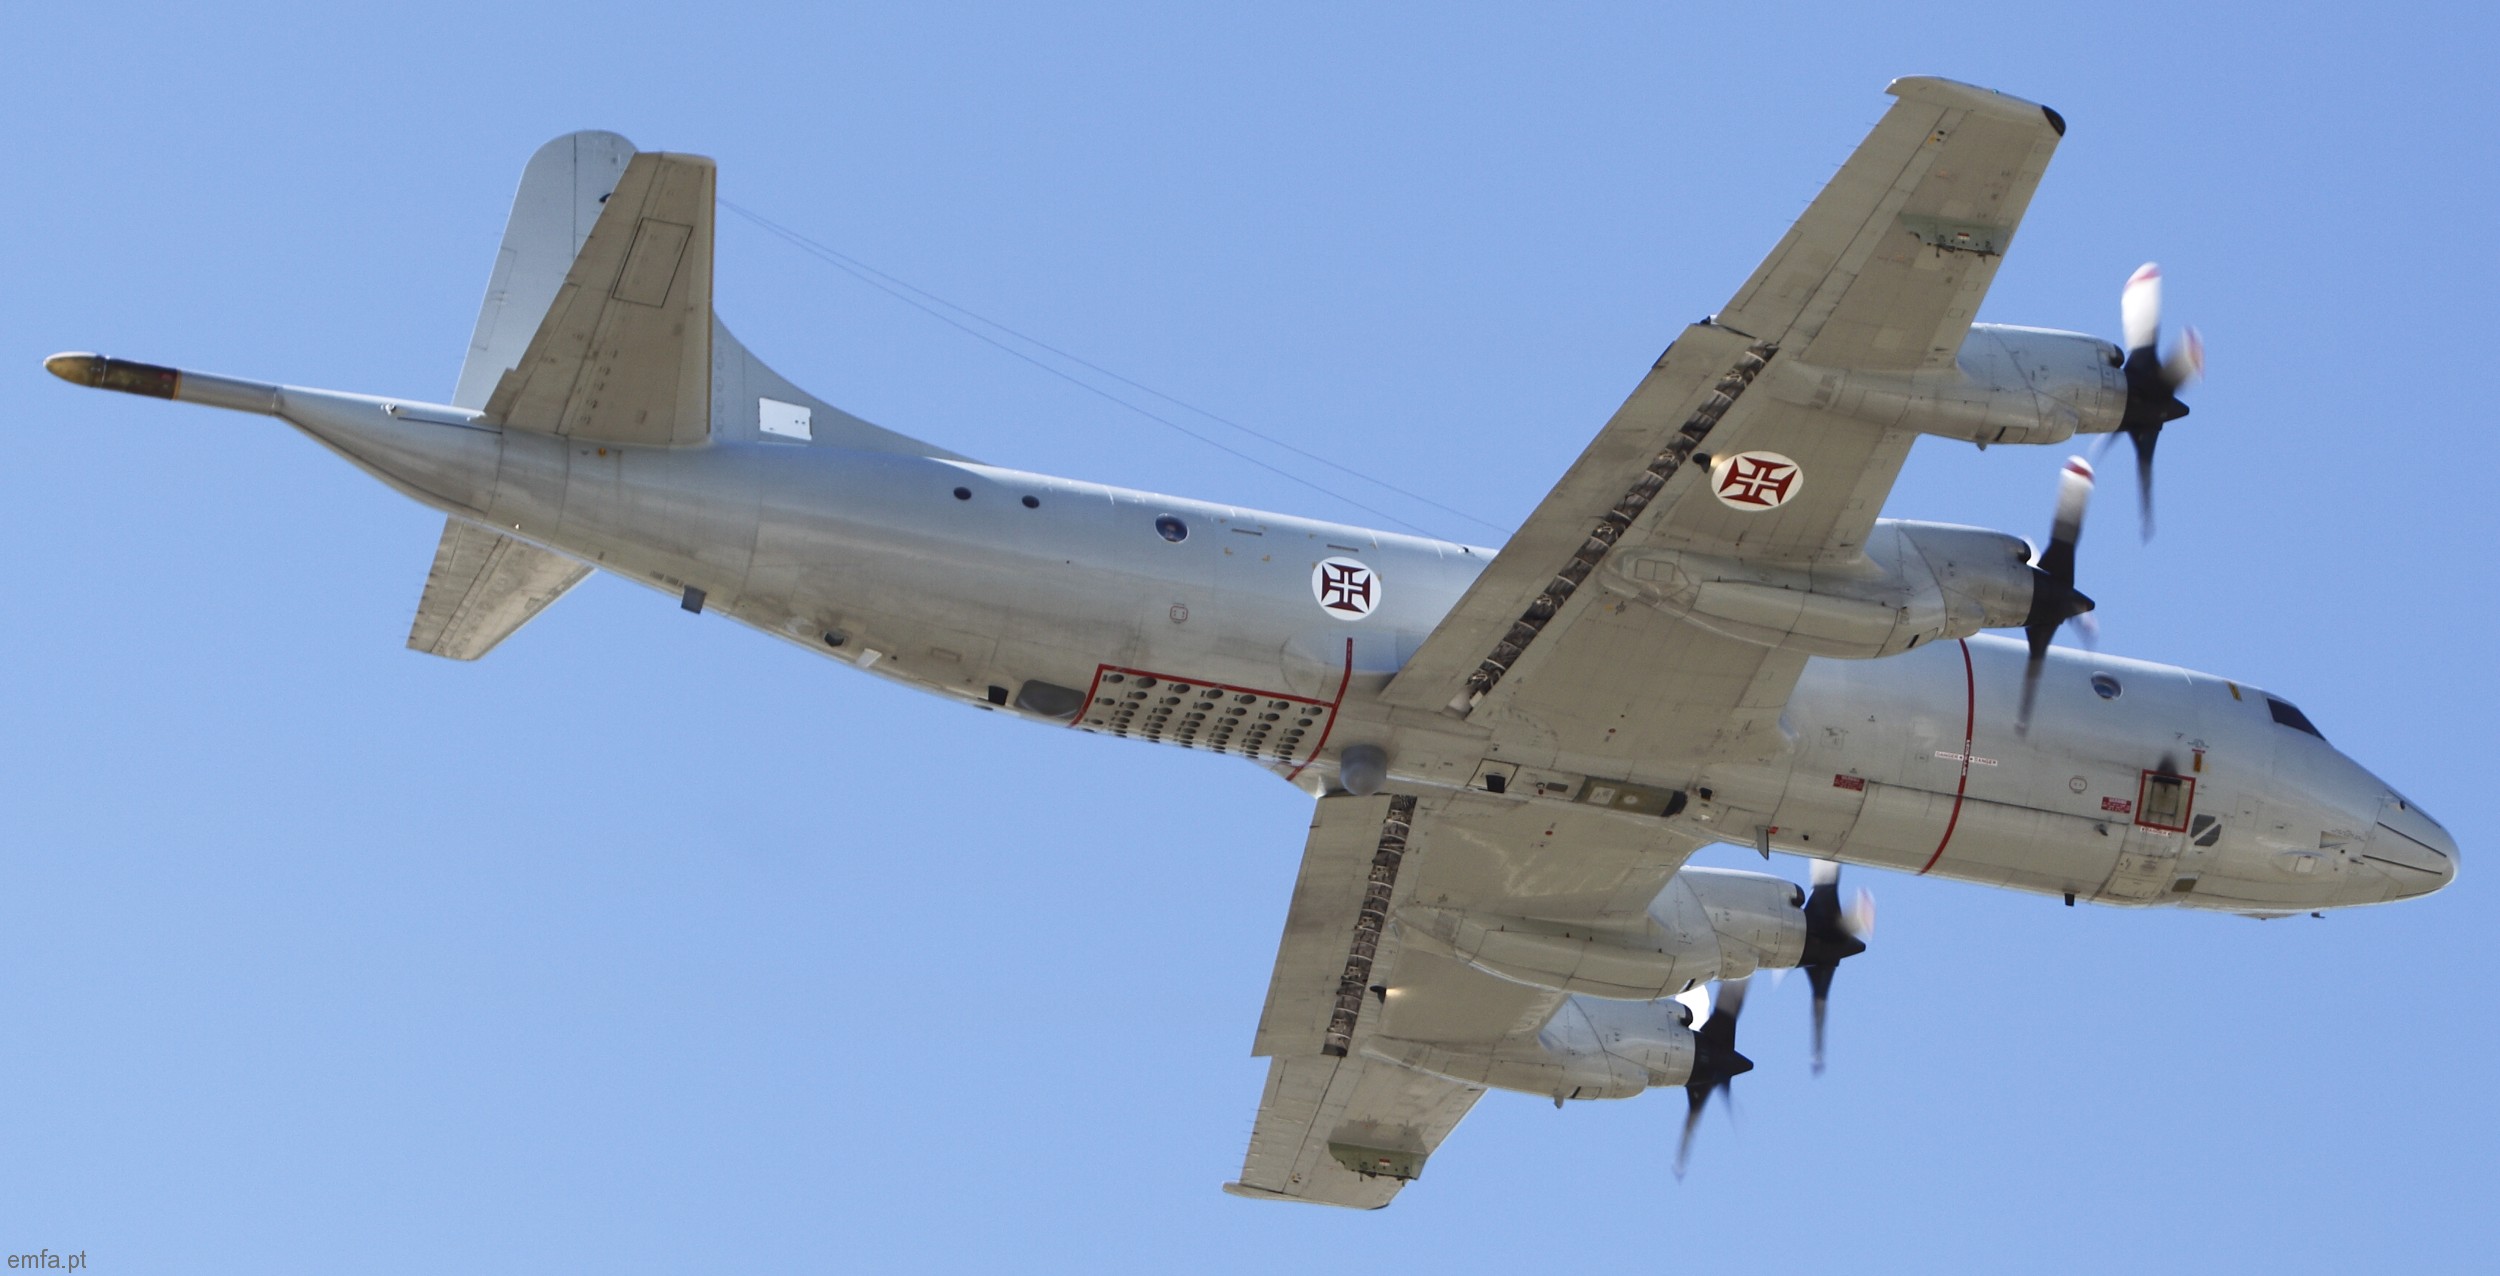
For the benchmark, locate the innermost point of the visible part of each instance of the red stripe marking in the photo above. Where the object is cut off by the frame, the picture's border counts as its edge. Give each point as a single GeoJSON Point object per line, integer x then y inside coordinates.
{"type": "Point", "coordinates": [1100, 670]}
{"type": "Point", "coordinates": [1970, 721]}
{"type": "Point", "coordinates": [1088, 706]}
{"type": "Point", "coordinates": [1333, 706]}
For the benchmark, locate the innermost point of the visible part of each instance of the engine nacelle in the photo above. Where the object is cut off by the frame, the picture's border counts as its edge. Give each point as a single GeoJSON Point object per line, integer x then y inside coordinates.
{"type": "Point", "coordinates": [1709, 923]}
{"type": "Point", "coordinates": [1916, 583]}
{"type": "Point", "coordinates": [1756, 919]}
{"type": "Point", "coordinates": [1590, 1049]}
{"type": "Point", "coordinates": [2009, 385]}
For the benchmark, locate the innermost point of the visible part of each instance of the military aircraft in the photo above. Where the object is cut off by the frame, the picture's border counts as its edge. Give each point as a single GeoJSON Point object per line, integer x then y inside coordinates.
{"type": "Point", "coordinates": [1703, 634]}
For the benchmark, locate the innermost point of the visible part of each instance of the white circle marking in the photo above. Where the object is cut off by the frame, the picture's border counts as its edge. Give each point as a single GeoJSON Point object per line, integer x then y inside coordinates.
{"type": "Point", "coordinates": [1346, 588]}
{"type": "Point", "coordinates": [1756, 481]}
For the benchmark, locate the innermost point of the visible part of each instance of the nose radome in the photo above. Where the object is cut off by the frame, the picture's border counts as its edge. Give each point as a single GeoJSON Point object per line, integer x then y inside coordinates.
{"type": "Point", "coordinates": [2447, 847]}
{"type": "Point", "coordinates": [2413, 848]}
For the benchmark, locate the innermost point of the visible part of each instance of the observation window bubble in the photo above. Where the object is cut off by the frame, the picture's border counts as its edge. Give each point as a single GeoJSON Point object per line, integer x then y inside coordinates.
{"type": "Point", "coordinates": [2105, 686]}
{"type": "Point", "coordinates": [1172, 529]}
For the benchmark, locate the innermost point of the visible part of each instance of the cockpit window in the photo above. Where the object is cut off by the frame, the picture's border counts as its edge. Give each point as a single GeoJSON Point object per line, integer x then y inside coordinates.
{"type": "Point", "coordinates": [2291, 717]}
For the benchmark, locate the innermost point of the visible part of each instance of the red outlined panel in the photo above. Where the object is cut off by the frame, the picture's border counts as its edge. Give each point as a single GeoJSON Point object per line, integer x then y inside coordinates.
{"type": "Point", "coordinates": [2156, 806]}
{"type": "Point", "coordinates": [1276, 727]}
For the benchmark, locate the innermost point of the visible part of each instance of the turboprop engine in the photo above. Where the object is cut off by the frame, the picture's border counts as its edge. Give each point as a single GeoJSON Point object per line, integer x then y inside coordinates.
{"type": "Point", "coordinates": [2008, 385]}
{"type": "Point", "coordinates": [1709, 923]}
{"type": "Point", "coordinates": [1916, 583]}
{"type": "Point", "coordinates": [1590, 1049]}
{"type": "Point", "coordinates": [2026, 385]}
{"type": "Point", "coordinates": [1923, 582]}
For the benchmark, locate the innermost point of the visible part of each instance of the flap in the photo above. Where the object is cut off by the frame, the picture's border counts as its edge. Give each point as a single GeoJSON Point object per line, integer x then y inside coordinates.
{"type": "Point", "coordinates": [1348, 834]}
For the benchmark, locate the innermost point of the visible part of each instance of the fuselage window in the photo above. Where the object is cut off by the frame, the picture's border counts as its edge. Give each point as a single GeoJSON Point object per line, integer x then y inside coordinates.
{"type": "Point", "coordinates": [2104, 686]}
{"type": "Point", "coordinates": [1172, 529]}
{"type": "Point", "coordinates": [2291, 717]}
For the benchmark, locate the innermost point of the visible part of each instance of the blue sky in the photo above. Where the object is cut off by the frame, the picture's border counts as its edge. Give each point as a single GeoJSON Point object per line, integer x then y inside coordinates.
{"type": "Point", "coordinates": [647, 944]}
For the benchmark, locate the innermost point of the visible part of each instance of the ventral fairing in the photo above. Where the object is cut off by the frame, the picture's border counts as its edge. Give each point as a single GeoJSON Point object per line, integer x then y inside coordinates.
{"type": "Point", "coordinates": [1704, 633]}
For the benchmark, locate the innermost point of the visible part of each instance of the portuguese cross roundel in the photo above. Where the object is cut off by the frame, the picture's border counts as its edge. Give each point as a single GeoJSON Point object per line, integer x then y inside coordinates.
{"type": "Point", "coordinates": [1756, 480]}
{"type": "Point", "coordinates": [1345, 587]}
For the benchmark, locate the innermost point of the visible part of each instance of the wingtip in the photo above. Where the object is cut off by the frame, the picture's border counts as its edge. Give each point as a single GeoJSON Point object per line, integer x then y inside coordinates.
{"type": "Point", "coordinates": [1936, 90]}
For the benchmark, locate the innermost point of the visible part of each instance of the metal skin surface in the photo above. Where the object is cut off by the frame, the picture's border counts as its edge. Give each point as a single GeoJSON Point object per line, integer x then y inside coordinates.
{"type": "Point", "coordinates": [1709, 923]}
{"type": "Point", "coordinates": [959, 595]}
{"type": "Point", "coordinates": [1495, 890]}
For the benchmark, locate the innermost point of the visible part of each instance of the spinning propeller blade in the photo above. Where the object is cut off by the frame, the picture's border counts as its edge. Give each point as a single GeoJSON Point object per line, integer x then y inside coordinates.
{"type": "Point", "coordinates": [1716, 1065]}
{"type": "Point", "coordinates": [2054, 598]}
{"type": "Point", "coordinates": [2153, 383]}
{"type": "Point", "coordinates": [1832, 936]}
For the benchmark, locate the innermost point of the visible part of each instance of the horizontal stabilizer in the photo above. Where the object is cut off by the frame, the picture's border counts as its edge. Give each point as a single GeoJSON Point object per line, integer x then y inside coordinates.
{"type": "Point", "coordinates": [482, 587]}
{"type": "Point", "coordinates": [625, 352]}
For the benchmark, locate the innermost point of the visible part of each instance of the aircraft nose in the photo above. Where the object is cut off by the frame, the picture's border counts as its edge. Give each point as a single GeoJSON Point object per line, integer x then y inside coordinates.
{"type": "Point", "coordinates": [2413, 849]}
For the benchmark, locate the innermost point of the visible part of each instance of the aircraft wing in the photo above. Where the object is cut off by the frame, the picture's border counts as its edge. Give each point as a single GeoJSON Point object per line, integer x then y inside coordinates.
{"type": "Point", "coordinates": [1369, 1025]}
{"type": "Point", "coordinates": [1883, 272]}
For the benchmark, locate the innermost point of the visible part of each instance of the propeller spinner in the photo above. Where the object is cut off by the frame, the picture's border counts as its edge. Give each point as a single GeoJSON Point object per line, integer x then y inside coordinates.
{"type": "Point", "coordinates": [2153, 382]}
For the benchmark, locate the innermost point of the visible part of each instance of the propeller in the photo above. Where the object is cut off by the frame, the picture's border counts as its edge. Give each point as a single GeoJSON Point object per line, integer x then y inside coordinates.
{"type": "Point", "coordinates": [2153, 382]}
{"type": "Point", "coordinates": [1716, 1065]}
{"type": "Point", "coordinates": [1833, 934]}
{"type": "Point", "coordinates": [2054, 598]}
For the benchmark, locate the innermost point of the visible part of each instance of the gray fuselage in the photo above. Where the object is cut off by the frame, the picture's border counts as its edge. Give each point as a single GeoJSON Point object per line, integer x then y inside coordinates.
{"type": "Point", "coordinates": [2136, 783]}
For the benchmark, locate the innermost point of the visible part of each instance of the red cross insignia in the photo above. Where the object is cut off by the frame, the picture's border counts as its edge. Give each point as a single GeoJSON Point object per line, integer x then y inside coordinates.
{"type": "Point", "coordinates": [1345, 587]}
{"type": "Point", "coordinates": [1756, 480]}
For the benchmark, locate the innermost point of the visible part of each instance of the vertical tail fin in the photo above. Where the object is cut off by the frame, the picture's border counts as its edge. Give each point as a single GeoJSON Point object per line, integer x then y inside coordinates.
{"type": "Point", "coordinates": [624, 354]}
{"type": "Point", "coordinates": [483, 586]}
{"type": "Point", "coordinates": [751, 402]}
{"type": "Point", "coordinates": [598, 323]}
{"type": "Point", "coordinates": [562, 191]}
{"type": "Point", "coordinates": [548, 244]}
